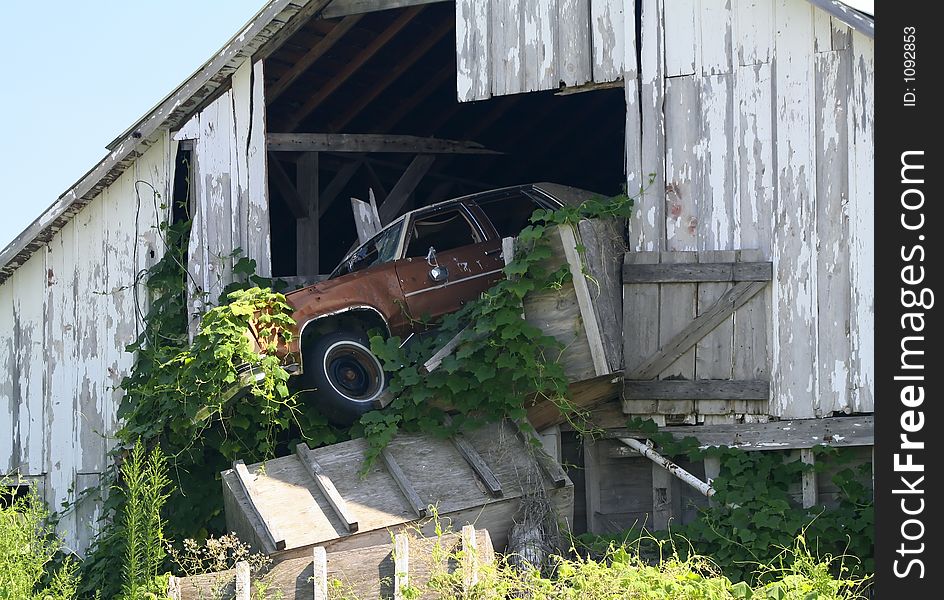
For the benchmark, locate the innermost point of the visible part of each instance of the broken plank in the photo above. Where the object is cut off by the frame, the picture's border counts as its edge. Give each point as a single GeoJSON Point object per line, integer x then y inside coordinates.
{"type": "Point", "coordinates": [701, 389]}
{"type": "Point", "coordinates": [403, 482]}
{"type": "Point", "coordinates": [697, 272]}
{"type": "Point", "coordinates": [405, 186]}
{"type": "Point", "coordinates": [326, 486]}
{"type": "Point", "coordinates": [478, 464]}
{"type": "Point", "coordinates": [436, 359]}
{"type": "Point", "coordinates": [701, 325]}
{"type": "Point", "coordinates": [370, 142]}
{"type": "Point", "coordinates": [244, 478]}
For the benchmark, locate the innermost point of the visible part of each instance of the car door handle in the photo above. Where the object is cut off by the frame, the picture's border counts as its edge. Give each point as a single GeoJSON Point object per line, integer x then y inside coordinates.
{"type": "Point", "coordinates": [491, 252]}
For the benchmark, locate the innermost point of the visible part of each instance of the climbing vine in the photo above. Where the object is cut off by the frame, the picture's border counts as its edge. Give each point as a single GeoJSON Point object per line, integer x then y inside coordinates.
{"type": "Point", "coordinates": [752, 514]}
{"type": "Point", "coordinates": [501, 360]}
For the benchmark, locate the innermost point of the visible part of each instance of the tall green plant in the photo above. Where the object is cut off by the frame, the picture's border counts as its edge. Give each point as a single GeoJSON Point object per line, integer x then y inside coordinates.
{"type": "Point", "coordinates": [27, 550]}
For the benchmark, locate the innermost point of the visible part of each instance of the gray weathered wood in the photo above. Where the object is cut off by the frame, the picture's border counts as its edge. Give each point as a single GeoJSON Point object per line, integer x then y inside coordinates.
{"type": "Point", "coordinates": [809, 478]}
{"type": "Point", "coordinates": [682, 342]}
{"type": "Point", "coordinates": [666, 503]}
{"type": "Point", "coordinates": [405, 186]}
{"type": "Point", "coordinates": [326, 486]}
{"type": "Point", "coordinates": [369, 142]}
{"type": "Point", "coordinates": [591, 470]}
{"type": "Point", "coordinates": [700, 272]}
{"type": "Point", "coordinates": [470, 567]}
{"type": "Point", "coordinates": [366, 220]}
{"type": "Point", "coordinates": [448, 348]}
{"type": "Point", "coordinates": [319, 570]}
{"type": "Point", "coordinates": [269, 533]}
{"type": "Point", "coordinates": [591, 324]}
{"type": "Point", "coordinates": [714, 352]}
{"type": "Point", "coordinates": [401, 565]}
{"type": "Point", "coordinates": [676, 311]}
{"type": "Point", "coordinates": [750, 332]}
{"type": "Point", "coordinates": [604, 249]}
{"type": "Point", "coordinates": [340, 8]}
{"type": "Point", "coordinates": [775, 435]}
{"type": "Point", "coordinates": [699, 389]}
{"type": "Point", "coordinates": [403, 482]}
{"type": "Point", "coordinates": [548, 464]}
{"type": "Point", "coordinates": [243, 582]}
{"type": "Point", "coordinates": [307, 236]}
{"type": "Point", "coordinates": [481, 468]}
{"type": "Point", "coordinates": [640, 318]}
{"type": "Point", "coordinates": [337, 184]}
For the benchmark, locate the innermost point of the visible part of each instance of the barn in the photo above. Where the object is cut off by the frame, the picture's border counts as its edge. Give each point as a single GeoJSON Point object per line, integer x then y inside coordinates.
{"type": "Point", "coordinates": [744, 126]}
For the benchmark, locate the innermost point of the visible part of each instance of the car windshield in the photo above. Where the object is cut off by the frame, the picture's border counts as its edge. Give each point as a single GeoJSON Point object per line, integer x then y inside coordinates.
{"type": "Point", "coordinates": [382, 248]}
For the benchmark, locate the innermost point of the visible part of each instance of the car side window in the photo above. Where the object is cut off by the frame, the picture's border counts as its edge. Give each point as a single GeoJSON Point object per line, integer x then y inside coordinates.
{"type": "Point", "coordinates": [382, 248]}
{"type": "Point", "coordinates": [443, 231]}
{"type": "Point", "coordinates": [509, 214]}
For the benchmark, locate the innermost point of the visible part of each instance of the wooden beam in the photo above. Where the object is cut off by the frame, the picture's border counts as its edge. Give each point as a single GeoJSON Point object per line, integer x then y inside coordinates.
{"type": "Point", "coordinates": [364, 100]}
{"type": "Point", "coordinates": [269, 532]}
{"type": "Point", "coordinates": [404, 187]}
{"type": "Point", "coordinates": [352, 66]}
{"type": "Point", "coordinates": [699, 389]}
{"type": "Point", "coordinates": [695, 272]}
{"type": "Point", "coordinates": [337, 184]}
{"type": "Point", "coordinates": [299, 20]}
{"type": "Point", "coordinates": [776, 435]}
{"type": "Point", "coordinates": [401, 565]}
{"type": "Point", "coordinates": [309, 58]}
{"type": "Point", "coordinates": [339, 8]}
{"type": "Point", "coordinates": [478, 464]}
{"type": "Point", "coordinates": [403, 482]}
{"type": "Point", "coordinates": [370, 142]}
{"type": "Point", "coordinates": [319, 567]}
{"type": "Point", "coordinates": [379, 188]}
{"type": "Point", "coordinates": [303, 452]}
{"type": "Point", "coordinates": [470, 553]}
{"type": "Point", "coordinates": [681, 343]}
{"type": "Point", "coordinates": [446, 74]}
{"type": "Point", "coordinates": [286, 188]}
{"type": "Point", "coordinates": [548, 463]}
{"type": "Point", "coordinates": [809, 484]}
{"type": "Point", "coordinates": [307, 235]}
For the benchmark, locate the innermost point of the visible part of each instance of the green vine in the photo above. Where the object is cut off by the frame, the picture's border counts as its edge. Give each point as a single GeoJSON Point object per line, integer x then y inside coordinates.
{"type": "Point", "coordinates": [501, 359]}
{"type": "Point", "coordinates": [752, 512]}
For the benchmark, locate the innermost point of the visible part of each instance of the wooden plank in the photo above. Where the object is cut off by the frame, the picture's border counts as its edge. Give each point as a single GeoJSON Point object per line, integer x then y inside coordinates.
{"type": "Point", "coordinates": [750, 332]}
{"type": "Point", "coordinates": [647, 224]}
{"type": "Point", "coordinates": [588, 316]}
{"type": "Point", "coordinates": [319, 568]}
{"type": "Point", "coordinates": [708, 271]}
{"type": "Point", "coordinates": [714, 353]}
{"type": "Point", "coordinates": [243, 584]}
{"type": "Point", "coordinates": [291, 122]}
{"type": "Point", "coordinates": [470, 566]}
{"type": "Point", "coordinates": [287, 188]}
{"type": "Point", "coordinates": [545, 460]}
{"type": "Point", "coordinates": [401, 561]}
{"type": "Point", "coordinates": [795, 373]}
{"type": "Point", "coordinates": [539, 49]}
{"type": "Point", "coordinates": [602, 257]}
{"type": "Point", "coordinates": [405, 186]}
{"type": "Point", "coordinates": [608, 33]}
{"type": "Point", "coordinates": [640, 317]}
{"type": "Point", "coordinates": [680, 45]}
{"type": "Point", "coordinates": [448, 348]}
{"type": "Point", "coordinates": [833, 81]}
{"type": "Point", "coordinates": [754, 168]}
{"type": "Point", "coordinates": [366, 220]}
{"type": "Point", "coordinates": [269, 533]}
{"type": "Point", "coordinates": [307, 236]}
{"type": "Point", "coordinates": [591, 473]}
{"type": "Point", "coordinates": [370, 142]}
{"type": "Point", "coordinates": [403, 482]}
{"type": "Point", "coordinates": [341, 8]}
{"type": "Point", "coordinates": [255, 242]}
{"type": "Point", "coordinates": [481, 468]}
{"type": "Point", "coordinates": [678, 345]}
{"type": "Point", "coordinates": [337, 184]}
{"type": "Point", "coordinates": [715, 21]}
{"type": "Point", "coordinates": [303, 452]}
{"type": "Point", "coordinates": [775, 435]}
{"type": "Point", "coordinates": [809, 478]}
{"type": "Point", "coordinates": [702, 389]}
{"type": "Point", "coordinates": [717, 208]}
{"type": "Point", "coordinates": [472, 48]}
{"type": "Point", "coordinates": [666, 498]}
{"type": "Point", "coordinates": [304, 62]}
{"type": "Point", "coordinates": [754, 23]}
{"type": "Point", "coordinates": [505, 55]}
{"type": "Point", "coordinates": [676, 313]}
{"type": "Point", "coordinates": [573, 42]}
{"type": "Point", "coordinates": [684, 157]}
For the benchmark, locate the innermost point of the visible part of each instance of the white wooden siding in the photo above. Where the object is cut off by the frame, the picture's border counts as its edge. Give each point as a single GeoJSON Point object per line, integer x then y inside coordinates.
{"type": "Point", "coordinates": [757, 125]}
{"type": "Point", "coordinates": [513, 46]}
{"type": "Point", "coordinates": [230, 205]}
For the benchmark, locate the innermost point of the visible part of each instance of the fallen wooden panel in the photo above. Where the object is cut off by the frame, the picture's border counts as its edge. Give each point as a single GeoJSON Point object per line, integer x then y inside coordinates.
{"type": "Point", "coordinates": [368, 572]}
{"type": "Point", "coordinates": [290, 500]}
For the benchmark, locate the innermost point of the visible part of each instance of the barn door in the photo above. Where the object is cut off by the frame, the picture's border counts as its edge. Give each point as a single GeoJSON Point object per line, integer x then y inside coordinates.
{"type": "Point", "coordinates": [695, 343]}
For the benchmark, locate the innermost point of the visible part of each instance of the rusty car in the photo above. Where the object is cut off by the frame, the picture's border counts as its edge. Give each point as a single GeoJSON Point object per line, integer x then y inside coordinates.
{"type": "Point", "coordinates": [421, 266]}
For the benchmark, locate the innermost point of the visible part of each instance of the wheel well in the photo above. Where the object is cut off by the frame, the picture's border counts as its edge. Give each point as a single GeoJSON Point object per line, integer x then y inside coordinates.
{"type": "Point", "coordinates": [363, 320]}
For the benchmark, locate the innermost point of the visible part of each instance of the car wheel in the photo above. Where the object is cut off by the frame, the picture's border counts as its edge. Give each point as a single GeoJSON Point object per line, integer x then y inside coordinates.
{"type": "Point", "coordinates": [346, 376]}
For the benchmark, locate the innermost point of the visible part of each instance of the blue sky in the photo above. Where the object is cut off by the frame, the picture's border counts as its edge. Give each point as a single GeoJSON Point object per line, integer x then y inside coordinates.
{"type": "Point", "coordinates": [76, 74]}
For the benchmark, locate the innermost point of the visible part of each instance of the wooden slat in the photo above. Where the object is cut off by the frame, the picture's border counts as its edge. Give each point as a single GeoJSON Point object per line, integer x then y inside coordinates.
{"type": "Point", "coordinates": [714, 353]}
{"type": "Point", "coordinates": [403, 482]}
{"type": "Point", "coordinates": [588, 316]}
{"type": "Point", "coordinates": [473, 73]}
{"type": "Point", "coordinates": [548, 464]}
{"type": "Point", "coordinates": [309, 58]}
{"type": "Point", "coordinates": [243, 583]}
{"type": "Point", "coordinates": [448, 348]}
{"type": "Point", "coordinates": [470, 565]}
{"type": "Point", "coordinates": [809, 478]}
{"type": "Point", "coordinates": [326, 486]}
{"type": "Point", "coordinates": [401, 562]}
{"type": "Point", "coordinates": [677, 309]}
{"type": "Point", "coordinates": [366, 220]}
{"type": "Point", "coordinates": [689, 336]}
{"type": "Point", "coordinates": [666, 498]}
{"type": "Point", "coordinates": [699, 389]}
{"type": "Point", "coordinates": [319, 568]}
{"type": "Point", "coordinates": [692, 272]}
{"type": "Point", "coordinates": [640, 318]}
{"type": "Point", "coordinates": [270, 533]}
{"type": "Point", "coordinates": [351, 67]}
{"type": "Point", "coordinates": [478, 464]}
{"type": "Point", "coordinates": [370, 142]}
{"type": "Point", "coordinates": [307, 236]}
{"type": "Point", "coordinates": [405, 186]}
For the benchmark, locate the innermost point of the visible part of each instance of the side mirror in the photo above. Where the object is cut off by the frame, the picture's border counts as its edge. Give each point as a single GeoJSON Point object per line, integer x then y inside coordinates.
{"type": "Point", "coordinates": [437, 274]}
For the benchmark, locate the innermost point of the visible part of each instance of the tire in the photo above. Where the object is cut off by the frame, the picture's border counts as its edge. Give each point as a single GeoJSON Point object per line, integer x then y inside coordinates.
{"type": "Point", "coordinates": [346, 376]}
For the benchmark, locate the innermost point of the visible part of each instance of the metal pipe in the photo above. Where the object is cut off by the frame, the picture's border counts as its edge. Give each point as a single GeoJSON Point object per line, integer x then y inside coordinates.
{"type": "Point", "coordinates": [647, 451]}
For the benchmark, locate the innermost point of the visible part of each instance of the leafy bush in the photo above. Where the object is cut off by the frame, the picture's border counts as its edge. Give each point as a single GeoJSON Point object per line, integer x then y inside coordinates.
{"type": "Point", "coordinates": [28, 548]}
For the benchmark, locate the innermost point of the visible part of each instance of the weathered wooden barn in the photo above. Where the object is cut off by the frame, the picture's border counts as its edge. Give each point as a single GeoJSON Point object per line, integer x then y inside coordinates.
{"type": "Point", "coordinates": [747, 124]}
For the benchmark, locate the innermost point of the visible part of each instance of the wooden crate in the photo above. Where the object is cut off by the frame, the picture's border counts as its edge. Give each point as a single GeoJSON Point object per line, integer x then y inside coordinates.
{"type": "Point", "coordinates": [477, 478]}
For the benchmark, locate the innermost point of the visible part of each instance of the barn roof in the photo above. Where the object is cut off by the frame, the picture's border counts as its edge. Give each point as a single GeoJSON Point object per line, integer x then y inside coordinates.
{"type": "Point", "coordinates": [265, 31]}
{"type": "Point", "coordinates": [858, 14]}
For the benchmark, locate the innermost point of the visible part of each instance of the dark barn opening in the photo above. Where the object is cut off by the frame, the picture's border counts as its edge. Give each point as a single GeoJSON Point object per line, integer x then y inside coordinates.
{"type": "Point", "coordinates": [394, 73]}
